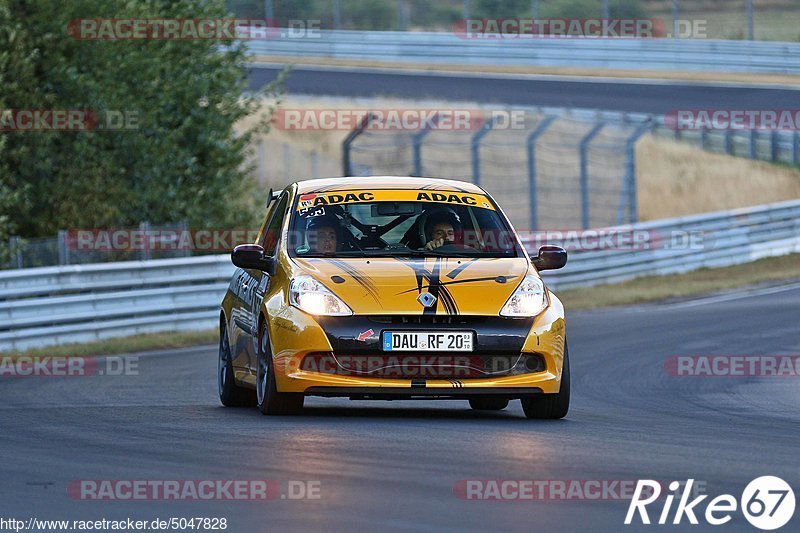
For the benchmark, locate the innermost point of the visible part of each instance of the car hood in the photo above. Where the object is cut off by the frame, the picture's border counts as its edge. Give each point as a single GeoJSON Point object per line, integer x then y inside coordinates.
{"type": "Point", "coordinates": [393, 285]}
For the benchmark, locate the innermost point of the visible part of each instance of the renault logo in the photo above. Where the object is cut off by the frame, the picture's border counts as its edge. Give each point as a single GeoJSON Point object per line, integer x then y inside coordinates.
{"type": "Point", "coordinates": [426, 299]}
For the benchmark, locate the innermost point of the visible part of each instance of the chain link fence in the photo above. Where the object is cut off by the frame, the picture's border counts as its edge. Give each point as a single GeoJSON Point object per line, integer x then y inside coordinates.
{"type": "Point", "coordinates": [556, 172]}
{"type": "Point", "coordinates": [771, 20]}
{"type": "Point", "coordinates": [80, 247]}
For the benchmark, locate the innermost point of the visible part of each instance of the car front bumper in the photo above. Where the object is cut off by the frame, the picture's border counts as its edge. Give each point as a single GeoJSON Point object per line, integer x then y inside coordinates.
{"type": "Point", "coordinates": [294, 335]}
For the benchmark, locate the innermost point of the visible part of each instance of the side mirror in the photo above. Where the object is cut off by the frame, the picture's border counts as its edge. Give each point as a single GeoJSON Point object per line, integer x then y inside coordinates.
{"type": "Point", "coordinates": [252, 256]}
{"type": "Point", "coordinates": [550, 258]}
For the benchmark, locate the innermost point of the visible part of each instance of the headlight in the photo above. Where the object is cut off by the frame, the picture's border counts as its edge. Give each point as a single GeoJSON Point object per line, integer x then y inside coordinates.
{"type": "Point", "coordinates": [528, 300]}
{"type": "Point", "coordinates": [314, 298]}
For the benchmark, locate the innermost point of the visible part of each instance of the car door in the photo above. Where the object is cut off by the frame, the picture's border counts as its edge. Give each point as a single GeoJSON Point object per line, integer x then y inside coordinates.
{"type": "Point", "coordinates": [249, 287]}
{"type": "Point", "coordinates": [257, 284]}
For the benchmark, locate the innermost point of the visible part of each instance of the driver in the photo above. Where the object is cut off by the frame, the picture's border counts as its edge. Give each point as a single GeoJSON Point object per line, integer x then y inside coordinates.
{"type": "Point", "coordinates": [322, 235]}
{"type": "Point", "coordinates": [440, 230]}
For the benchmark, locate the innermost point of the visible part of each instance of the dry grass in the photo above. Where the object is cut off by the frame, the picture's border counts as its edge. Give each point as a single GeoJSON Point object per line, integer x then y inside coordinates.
{"type": "Point", "coordinates": [774, 20]}
{"type": "Point", "coordinates": [676, 179]}
{"type": "Point", "coordinates": [699, 282]}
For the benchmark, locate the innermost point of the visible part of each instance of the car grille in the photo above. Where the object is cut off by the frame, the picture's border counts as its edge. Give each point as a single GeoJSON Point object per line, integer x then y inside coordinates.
{"type": "Point", "coordinates": [427, 319]}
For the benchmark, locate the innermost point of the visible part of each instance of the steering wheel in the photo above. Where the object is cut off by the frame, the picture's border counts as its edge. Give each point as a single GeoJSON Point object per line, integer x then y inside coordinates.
{"type": "Point", "coordinates": [453, 247]}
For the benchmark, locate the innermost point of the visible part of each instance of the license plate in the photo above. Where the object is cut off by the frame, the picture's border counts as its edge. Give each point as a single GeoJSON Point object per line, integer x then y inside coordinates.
{"type": "Point", "coordinates": [429, 341]}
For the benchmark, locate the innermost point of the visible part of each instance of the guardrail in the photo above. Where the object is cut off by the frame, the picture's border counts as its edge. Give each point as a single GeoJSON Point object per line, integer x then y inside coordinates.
{"type": "Point", "coordinates": [723, 238]}
{"type": "Point", "coordinates": [440, 48]}
{"type": "Point", "coordinates": [57, 305]}
{"type": "Point", "coordinates": [83, 303]}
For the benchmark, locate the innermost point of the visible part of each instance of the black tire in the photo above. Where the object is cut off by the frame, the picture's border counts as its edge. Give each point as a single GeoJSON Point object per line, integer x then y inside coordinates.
{"type": "Point", "coordinates": [268, 399]}
{"type": "Point", "coordinates": [551, 406]}
{"type": "Point", "coordinates": [488, 404]}
{"type": "Point", "coordinates": [230, 394]}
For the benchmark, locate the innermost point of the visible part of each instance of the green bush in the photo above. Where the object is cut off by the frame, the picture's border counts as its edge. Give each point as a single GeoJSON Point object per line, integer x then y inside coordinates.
{"type": "Point", "coordinates": [627, 9]}
{"type": "Point", "coordinates": [571, 9]}
{"type": "Point", "coordinates": [372, 14]}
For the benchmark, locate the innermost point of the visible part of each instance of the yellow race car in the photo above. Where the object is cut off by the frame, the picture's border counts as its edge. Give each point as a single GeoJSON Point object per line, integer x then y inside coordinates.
{"type": "Point", "coordinates": [391, 288]}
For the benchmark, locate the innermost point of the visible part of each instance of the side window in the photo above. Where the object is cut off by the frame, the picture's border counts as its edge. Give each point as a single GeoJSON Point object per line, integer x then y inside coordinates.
{"type": "Point", "coordinates": [272, 233]}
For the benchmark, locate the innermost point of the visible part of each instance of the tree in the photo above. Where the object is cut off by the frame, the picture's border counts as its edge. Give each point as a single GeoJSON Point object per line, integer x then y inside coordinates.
{"type": "Point", "coordinates": [184, 161]}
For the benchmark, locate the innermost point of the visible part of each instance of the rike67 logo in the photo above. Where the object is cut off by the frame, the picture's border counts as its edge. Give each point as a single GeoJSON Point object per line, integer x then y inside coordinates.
{"type": "Point", "coordinates": [767, 503]}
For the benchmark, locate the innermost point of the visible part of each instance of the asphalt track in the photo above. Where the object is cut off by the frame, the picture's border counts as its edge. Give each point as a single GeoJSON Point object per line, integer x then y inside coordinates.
{"type": "Point", "coordinates": [644, 96]}
{"type": "Point", "coordinates": [393, 465]}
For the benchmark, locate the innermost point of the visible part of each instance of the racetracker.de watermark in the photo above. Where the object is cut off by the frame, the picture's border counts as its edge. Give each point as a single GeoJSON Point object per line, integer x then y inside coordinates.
{"type": "Point", "coordinates": [190, 29]}
{"type": "Point", "coordinates": [225, 240]}
{"type": "Point", "coordinates": [733, 119]}
{"type": "Point", "coordinates": [400, 119]}
{"type": "Point", "coordinates": [578, 28]}
{"type": "Point", "coordinates": [61, 366]}
{"type": "Point", "coordinates": [26, 120]}
{"type": "Point", "coordinates": [129, 240]}
{"type": "Point", "coordinates": [733, 366]}
{"type": "Point", "coordinates": [193, 489]}
{"type": "Point", "coordinates": [621, 240]}
{"type": "Point", "coordinates": [574, 28]}
{"type": "Point", "coordinates": [413, 365]}
{"type": "Point", "coordinates": [551, 489]}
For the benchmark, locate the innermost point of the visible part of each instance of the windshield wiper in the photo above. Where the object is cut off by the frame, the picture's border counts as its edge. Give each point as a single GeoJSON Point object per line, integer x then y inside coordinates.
{"type": "Point", "coordinates": [403, 250]}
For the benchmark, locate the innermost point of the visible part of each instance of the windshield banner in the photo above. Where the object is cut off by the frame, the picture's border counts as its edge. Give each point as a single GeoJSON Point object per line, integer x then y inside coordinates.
{"type": "Point", "coordinates": [393, 195]}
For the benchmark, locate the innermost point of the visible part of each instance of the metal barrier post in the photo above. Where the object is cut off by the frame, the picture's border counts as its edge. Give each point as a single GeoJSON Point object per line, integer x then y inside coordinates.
{"type": "Point", "coordinates": [416, 143]}
{"type": "Point", "coordinates": [676, 9]}
{"type": "Point", "coordinates": [63, 247]}
{"type": "Point", "coordinates": [287, 163]}
{"type": "Point", "coordinates": [584, 145]}
{"type": "Point", "coordinates": [476, 158]}
{"type": "Point", "coordinates": [15, 248]}
{"type": "Point", "coordinates": [796, 148]}
{"type": "Point", "coordinates": [144, 229]}
{"type": "Point", "coordinates": [729, 142]}
{"type": "Point", "coordinates": [753, 147]}
{"type": "Point", "coordinates": [531, 144]}
{"type": "Point", "coordinates": [314, 164]}
{"type": "Point", "coordinates": [346, 167]}
{"type": "Point", "coordinates": [629, 184]}
{"type": "Point", "coordinates": [775, 145]}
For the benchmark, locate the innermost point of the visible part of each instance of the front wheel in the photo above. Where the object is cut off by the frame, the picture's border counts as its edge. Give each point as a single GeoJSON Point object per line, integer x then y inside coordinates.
{"type": "Point", "coordinates": [230, 394]}
{"type": "Point", "coordinates": [551, 406]}
{"type": "Point", "coordinates": [268, 399]}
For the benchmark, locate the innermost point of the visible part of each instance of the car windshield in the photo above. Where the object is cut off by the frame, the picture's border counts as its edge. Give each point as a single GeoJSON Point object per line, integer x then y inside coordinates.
{"type": "Point", "coordinates": [399, 223]}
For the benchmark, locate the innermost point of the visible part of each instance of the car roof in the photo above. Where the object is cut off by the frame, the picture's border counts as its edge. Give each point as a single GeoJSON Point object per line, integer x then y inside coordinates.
{"type": "Point", "coordinates": [384, 182]}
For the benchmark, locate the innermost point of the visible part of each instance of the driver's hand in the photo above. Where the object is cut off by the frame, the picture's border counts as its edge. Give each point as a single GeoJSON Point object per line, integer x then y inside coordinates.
{"type": "Point", "coordinates": [435, 243]}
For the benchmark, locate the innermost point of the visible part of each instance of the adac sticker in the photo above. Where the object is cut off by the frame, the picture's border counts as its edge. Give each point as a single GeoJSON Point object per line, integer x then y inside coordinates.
{"type": "Point", "coordinates": [334, 198]}
{"type": "Point", "coordinates": [394, 195]}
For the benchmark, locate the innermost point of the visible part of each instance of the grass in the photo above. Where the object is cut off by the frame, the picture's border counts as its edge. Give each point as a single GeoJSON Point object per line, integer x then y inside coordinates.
{"type": "Point", "coordinates": [677, 179]}
{"type": "Point", "coordinates": [697, 76]}
{"type": "Point", "coordinates": [699, 282]}
{"type": "Point", "coordinates": [774, 20]}
{"type": "Point", "coordinates": [120, 345]}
